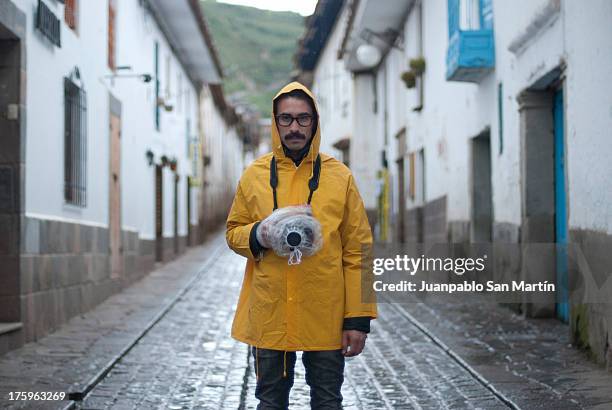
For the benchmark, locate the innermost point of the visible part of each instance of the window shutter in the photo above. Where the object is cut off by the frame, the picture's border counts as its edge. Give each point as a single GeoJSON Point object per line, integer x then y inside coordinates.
{"type": "Point", "coordinates": [70, 13]}
{"type": "Point", "coordinates": [453, 17]}
{"type": "Point", "coordinates": [486, 14]}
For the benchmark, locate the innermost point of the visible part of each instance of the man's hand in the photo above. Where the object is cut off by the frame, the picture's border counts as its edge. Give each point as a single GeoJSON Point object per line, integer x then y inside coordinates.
{"type": "Point", "coordinates": [353, 342]}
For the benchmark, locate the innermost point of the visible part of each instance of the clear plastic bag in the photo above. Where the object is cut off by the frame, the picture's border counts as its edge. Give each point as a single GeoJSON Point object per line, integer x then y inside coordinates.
{"type": "Point", "coordinates": [293, 232]}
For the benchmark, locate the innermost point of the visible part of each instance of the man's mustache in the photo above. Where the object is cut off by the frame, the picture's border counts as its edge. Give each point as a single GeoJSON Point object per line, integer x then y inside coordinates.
{"type": "Point", "coordinates": [295, 135]}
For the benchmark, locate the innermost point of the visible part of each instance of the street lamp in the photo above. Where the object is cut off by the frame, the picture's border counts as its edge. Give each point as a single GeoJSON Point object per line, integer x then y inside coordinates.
{"type": "Point", "coordinates": [368, 55]}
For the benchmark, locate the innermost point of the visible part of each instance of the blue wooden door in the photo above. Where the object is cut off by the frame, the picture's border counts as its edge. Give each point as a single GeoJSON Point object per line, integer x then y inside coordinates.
{"type": "Point", "coordinates": [560, 210]}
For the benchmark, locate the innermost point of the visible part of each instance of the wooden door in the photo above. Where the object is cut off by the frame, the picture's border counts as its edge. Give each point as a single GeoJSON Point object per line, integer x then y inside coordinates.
{"type": "Point", "coordinates": [176, 211]}
{"type": "Point", "coordinates": [159, 212]}
{"type": "Point", "coordinates": [188, 201]}
{"type": "Point", "coordinates": [116, 250]}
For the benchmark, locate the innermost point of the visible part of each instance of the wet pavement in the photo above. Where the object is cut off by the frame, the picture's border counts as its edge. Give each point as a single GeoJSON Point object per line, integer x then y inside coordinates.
{"type": "Point", "coordinates": [190, 361]}
{"type": "Point", "coordinates": [416, 357]}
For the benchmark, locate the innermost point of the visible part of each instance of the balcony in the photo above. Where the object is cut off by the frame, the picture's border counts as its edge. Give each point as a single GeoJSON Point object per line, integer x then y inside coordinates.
{"type": "Point", "coordinates": [471, 55]}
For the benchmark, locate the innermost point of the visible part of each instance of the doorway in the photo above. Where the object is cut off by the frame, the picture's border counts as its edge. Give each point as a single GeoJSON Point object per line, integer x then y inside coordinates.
{"type": "Point", "coordinates": [544, 193]}
{"type": "Point", "coordinates": [401, 185]}
{"type": "Point", "coordinates": [159, 212]}
{"type": "Point", "coordinates": [481, 193]}
{"type": "Point", "coordinates": [562, 306]}
{"type": "Point", "coordinates": [12, 159]}
{"type": "Point", "coordinates": [188, 199]}
{"type": "Point", "coordinates": [175, 214]}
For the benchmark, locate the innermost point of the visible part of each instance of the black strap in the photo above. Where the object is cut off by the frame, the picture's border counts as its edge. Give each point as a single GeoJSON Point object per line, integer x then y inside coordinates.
{"type": "Point", "coordinates": [273, 180]}
{"type": "Point", "coordinates": [313, 183]}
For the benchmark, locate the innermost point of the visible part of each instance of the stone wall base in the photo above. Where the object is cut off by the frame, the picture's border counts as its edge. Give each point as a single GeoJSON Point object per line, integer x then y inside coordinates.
{"type": "Point", "coordinates": [65, 271]}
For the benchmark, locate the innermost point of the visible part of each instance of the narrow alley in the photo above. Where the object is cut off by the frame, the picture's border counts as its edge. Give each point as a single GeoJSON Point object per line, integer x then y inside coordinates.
{"type": "Point", "coordinates": [410, 194]}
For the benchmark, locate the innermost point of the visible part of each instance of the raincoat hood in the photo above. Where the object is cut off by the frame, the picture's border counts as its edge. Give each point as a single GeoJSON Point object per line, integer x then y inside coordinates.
{"type": "Point", "coordinates": [314, 143]}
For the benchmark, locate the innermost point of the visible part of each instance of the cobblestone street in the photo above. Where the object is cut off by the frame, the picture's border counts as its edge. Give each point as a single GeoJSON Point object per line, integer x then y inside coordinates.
{"type": "Point", "coordinates": [187, 359]}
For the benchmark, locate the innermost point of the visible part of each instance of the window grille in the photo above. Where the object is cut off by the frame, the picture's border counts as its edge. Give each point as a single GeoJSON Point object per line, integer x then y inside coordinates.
{"type": "Point", "coordinates": [48, 24]}
{"type": "Point", "coordinates": [75, 143]}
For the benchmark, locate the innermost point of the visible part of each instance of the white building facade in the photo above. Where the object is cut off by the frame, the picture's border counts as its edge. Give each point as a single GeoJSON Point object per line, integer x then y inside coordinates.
{"type": "Point", "coordinates": [224, 157]}
{"type": "Point", "coordinates": [102, 165]}
{"type": "Point", "coordinates": [484, 121]}
{"type": "Point", "coordinates": [333, 88]}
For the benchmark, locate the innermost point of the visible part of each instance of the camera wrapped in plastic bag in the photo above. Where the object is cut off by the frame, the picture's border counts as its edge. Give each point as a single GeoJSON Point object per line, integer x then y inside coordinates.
{"type": "Point", "coordinates": [294, 233]}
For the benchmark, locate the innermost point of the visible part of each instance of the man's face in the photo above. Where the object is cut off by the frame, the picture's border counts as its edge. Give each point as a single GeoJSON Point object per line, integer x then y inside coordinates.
{"type": "Point", "coordinates": [295, 136]}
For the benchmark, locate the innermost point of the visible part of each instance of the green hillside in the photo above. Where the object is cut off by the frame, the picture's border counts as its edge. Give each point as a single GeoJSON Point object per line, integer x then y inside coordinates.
{"type": "Point", "coordinates": [256, 48]}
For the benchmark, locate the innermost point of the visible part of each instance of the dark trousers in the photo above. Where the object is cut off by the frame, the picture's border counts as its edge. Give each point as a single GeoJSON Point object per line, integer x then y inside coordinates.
{"type": "Point", "coordinates": [274, 370]}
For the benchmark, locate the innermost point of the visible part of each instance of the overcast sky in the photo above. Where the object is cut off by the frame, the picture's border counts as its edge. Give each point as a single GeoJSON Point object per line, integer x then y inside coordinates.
{"type": "Point", "coordinates": [304, 7]}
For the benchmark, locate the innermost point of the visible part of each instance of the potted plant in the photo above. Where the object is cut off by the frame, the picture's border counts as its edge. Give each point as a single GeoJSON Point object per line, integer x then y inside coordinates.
{"type": "Point", "coordinates": [409, 78]}
{"type": "Point", "coordinates": [164, 161]}
{"type": "Point", "coordinates": [417, 65]}
{"type": "Point", "coordinates": [173, 164]}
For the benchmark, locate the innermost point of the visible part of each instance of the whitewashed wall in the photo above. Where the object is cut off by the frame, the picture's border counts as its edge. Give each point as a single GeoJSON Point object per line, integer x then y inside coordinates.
{"type": "Point", "coordinates": [47, 65]}
{"type": "Point", "coordinates": [516, 73]}
{"type": "Point", "coordinates": [227, 160]}
{"type": "Point", "coordinates": [454, 112]}
{"type": "Point", "coordinates": [136, 37]}
{"type": "Point", "coordinates": [447, 120]}
{"type": "Point", "coordinates": [136, 33]}
{"type": "Point", "coordinates": [367, 141]}
{"type": "Point", "coordinates": [589, 113]}
{"type": "Point", "coordinates": [333, 90]}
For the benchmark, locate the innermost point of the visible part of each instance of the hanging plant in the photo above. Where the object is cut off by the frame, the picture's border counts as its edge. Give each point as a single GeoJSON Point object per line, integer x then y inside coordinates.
{"type": "Point", "coordinates": [409, 78]}
{"type": "Point", "coordinates": [417, 65]}
{"type": "Point", "coordinates": [164, 161]}
{"type": "Point", "coordinates": [173, 164]}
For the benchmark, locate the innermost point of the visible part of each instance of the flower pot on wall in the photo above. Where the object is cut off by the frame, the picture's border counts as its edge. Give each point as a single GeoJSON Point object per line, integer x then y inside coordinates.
{"type": "Point", "coordinates": [417, 65]}
{"type": "Point", "coordinates": [409, 78]}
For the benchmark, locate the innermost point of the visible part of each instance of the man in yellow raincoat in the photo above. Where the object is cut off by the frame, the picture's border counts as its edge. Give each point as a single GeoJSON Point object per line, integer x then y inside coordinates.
{"type": "Point", "coordinates": [315, 306]}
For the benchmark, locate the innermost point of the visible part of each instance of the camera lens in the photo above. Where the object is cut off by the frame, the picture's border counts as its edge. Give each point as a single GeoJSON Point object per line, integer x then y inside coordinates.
{"type": "Point", "coordinates": [294, 238]}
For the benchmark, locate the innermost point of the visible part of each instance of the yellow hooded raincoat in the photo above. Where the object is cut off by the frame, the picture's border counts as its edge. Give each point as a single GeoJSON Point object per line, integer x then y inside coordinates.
{"type": "Point", "coordinates": [300, 307]}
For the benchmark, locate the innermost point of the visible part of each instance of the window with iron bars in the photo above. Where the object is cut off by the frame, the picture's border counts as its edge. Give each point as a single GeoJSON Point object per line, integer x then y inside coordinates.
{"type": "Point", "coordinates": [75, 144]}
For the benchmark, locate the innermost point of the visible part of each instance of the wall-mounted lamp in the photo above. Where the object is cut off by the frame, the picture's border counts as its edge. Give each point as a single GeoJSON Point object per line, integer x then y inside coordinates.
{"type": "Point", "coordinates": [144, 77]}
{"type": "Point", "coordinates": [368, 55]}
{"type": "Point", "coordinates": [150, 157]}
